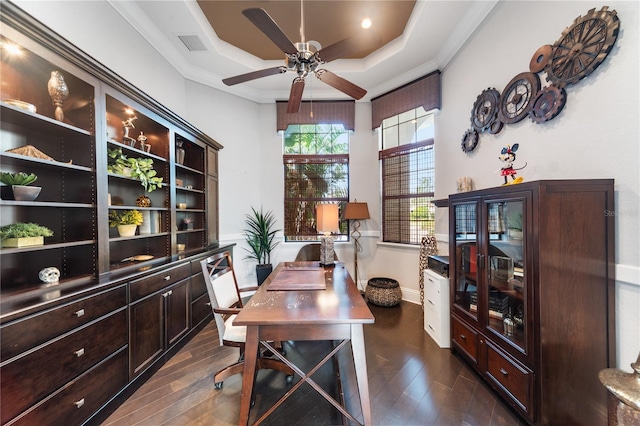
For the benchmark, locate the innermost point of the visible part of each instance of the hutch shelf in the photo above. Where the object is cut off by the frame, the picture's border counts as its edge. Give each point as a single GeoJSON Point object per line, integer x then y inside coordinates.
{"type": "Point", "coordinates": [532, 294]}
{"type": "Point", "coordinates": [73, 349]}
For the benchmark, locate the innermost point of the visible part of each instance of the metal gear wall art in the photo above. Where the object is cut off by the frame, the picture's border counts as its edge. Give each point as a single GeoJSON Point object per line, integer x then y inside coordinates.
{"type": "Point", "coordinates": [547, 104]}
{"type": "Point", "coordinates": [578, 52]}
{"type": "Point", "coordinates": [582, 47]}
{"type": "Point", "coordinates": [485, 110]}
{"type": "Point", "coordinates": [515, 102]}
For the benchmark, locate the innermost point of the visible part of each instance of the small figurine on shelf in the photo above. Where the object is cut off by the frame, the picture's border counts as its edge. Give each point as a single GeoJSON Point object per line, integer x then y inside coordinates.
{"type": "Point", "coordinates": [128, 125]}
{"type": "Point", "coordinates": [143, 142]}
{"type": "Point", "coordinates": [508, 157]}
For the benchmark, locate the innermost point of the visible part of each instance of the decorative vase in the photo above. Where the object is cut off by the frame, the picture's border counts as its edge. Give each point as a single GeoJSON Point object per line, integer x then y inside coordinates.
{"type": "Point", "coordinates": [127, 230]}
{"type": "Point", "coordinates": [145, 227]}
{"type": "Point", "coordinates": [58, 91]}
{"type": "Point", "coordinates": [179, 152]}
{"type": "Point", "coordinates": [143, 201]}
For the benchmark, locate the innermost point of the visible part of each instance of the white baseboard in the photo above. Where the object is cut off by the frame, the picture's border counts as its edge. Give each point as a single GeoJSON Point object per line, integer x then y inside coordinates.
{"type": "Point", "coordinates": [410, 295]}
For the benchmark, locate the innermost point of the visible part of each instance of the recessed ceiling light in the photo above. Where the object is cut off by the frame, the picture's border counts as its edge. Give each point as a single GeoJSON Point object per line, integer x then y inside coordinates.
{"type": "Point", "coordinates": [366, 23]}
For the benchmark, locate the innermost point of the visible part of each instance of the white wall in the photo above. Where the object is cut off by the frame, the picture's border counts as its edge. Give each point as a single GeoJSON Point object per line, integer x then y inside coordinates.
{"type": "Point", "coordinates": [595, 136]}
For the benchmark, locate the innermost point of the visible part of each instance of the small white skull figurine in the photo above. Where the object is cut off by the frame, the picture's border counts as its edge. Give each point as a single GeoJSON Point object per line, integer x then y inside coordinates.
{"type": "Point", "coordinates": [49, 275]}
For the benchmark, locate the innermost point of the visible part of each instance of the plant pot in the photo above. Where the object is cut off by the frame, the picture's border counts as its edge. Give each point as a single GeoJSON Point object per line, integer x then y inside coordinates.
{"type": "Point", "coordinates": [127, 230]}
{"type": "Point", "coordinates": [25, 193]}
{"type": "Point", "coordinates": [262, 272]}
{"type": "Point", "coordinates": [23, 242]}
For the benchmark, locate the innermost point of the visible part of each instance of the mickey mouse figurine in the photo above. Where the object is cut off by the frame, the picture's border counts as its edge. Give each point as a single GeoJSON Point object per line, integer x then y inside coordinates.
{"type": "Point", "coordinates": [508, 157]}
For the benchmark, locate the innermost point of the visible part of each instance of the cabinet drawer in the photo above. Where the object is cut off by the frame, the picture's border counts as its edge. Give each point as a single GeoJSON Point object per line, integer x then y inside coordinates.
{"type": "Point", "coordinates": [76, 402]}
{"type": "Point", "coordinates": [466, 339]}
{"type": "Point", "coordinates": [28, 379]}
{"type": "Point", "coordinates": [198, 286]}
{"type": "Point", "coordinates": [512, 378]}
{"type": "Point", "coordinates": [24, 334]}
{"type": "Point", "coordinates": [200, 309]}
{"type": "Point", "coordinates": [152, 283]}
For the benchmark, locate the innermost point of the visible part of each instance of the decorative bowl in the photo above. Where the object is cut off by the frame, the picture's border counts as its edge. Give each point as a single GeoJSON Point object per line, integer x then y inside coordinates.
{"type": "Point", "coordinates": [21, 104]}
{"type": "Point", "coordinates": [25, 193]}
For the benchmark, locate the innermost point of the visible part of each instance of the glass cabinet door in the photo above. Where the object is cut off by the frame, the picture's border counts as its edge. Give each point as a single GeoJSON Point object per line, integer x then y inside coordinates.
{"type": "Point", "coordinates": [505, 298]}
{"type": "Point", "coordinates": [466, 266]}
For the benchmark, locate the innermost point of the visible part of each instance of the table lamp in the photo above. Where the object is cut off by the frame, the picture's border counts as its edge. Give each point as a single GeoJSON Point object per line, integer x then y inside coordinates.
{"type": "Point", "coordinates": [356, 211]}
{"type": "Point", "coordinates": [327, 222]}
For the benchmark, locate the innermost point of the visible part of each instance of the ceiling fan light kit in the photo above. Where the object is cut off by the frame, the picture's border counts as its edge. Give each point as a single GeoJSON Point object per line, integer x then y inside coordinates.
{"type": "Point", "coordinates": [304, 58]}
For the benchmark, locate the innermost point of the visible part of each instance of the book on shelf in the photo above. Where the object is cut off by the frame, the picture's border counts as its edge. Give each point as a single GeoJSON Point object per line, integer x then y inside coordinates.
{"type": "Point", "coordinates": [492, 313]}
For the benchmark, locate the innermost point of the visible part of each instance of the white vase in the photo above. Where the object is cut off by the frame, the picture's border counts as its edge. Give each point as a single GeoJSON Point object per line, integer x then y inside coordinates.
{"type": "Point", "coordinates": [145, 227]}
{"type": "Point", "coordinates": [127, 230]}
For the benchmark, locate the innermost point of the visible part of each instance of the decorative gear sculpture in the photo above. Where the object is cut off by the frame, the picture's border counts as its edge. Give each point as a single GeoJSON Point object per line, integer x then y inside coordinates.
{"type": "Point", "coordinates": [541, 58]}
{"type": "Point", "coordinates": [469, 140]}
{"type": "Point", "coordinates": [582, 47]}
{"type": "Point", "coordinates": [496, 127]}
{"type": "Point", "coordinates": [485, 110]}
{"type": "Point", "coordinates": [515, 102]}
{"type": "Point", "coordinates": [548, 104]}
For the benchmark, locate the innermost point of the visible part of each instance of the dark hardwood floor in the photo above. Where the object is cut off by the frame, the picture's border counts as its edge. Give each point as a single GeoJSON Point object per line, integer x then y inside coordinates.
{"type": "Point", "coordinates": [411, 382]}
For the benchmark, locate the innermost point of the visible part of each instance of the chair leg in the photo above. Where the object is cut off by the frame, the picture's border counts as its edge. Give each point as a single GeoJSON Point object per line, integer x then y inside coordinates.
{"type": "Point", "coordinates": [227, 372]}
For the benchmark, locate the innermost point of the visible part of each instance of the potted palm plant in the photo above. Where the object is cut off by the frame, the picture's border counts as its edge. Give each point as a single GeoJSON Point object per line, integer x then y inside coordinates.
{"type": "Point", "coordinates": [17, 186]}
{"type": "Point", "coordinates": [126, 221]}
{"type": "Point", "coordinates": [260, 237]}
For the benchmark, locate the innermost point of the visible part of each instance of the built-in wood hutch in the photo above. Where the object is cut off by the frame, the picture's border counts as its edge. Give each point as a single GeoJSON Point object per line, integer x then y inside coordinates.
{"type": "Point", "coordinates": [72, 349]}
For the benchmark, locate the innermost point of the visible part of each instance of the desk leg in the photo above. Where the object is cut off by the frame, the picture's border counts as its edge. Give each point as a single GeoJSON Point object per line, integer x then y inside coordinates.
{"type": "Point", "coordinates": [248, 374]}
{"type": "Point", "coordinates": [360, 362]}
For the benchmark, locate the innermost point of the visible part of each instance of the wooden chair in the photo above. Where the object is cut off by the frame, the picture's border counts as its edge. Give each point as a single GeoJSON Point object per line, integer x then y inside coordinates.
{"type": "Point", "coordinates": [226, 303]}
{"type": "Point", "coordinates": [310, 252]}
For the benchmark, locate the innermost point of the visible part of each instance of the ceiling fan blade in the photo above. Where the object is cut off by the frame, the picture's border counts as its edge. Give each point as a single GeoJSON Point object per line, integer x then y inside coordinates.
{"type": "Point", "coordinates": [337, 82]}
{"type": "Point", "coordinates": [253, 75]}
{"type": "Point", "coordinates": [268, 26]}
{"type": "Point", "coordinates": [348, 46]}
{"type": "Point", "coordinates": [295, 97]}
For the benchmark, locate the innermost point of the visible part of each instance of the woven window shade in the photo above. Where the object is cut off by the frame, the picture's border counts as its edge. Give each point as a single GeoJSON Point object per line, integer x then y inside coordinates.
{"type": "Point", "coordinates": [324, 112]}
{"type": "Point", "coordinates": [310, 180]}
{"type": "Point", "coordinates": [423, 92]}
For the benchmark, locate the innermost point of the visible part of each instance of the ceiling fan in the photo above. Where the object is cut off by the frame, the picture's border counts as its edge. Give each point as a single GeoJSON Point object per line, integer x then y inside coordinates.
{"type": "Point", "coordinates": [304, 58]}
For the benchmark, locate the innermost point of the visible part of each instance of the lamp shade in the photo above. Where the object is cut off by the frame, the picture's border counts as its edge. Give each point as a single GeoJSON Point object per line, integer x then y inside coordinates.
{"type": "Point", "coordinates": [356, 211]}
{"type": "Point", "coordinates": [327, 217]}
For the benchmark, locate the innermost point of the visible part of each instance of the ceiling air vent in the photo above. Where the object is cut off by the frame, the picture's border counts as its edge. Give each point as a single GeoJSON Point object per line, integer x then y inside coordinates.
{"type": "Point", "coordinates": [192, 42]}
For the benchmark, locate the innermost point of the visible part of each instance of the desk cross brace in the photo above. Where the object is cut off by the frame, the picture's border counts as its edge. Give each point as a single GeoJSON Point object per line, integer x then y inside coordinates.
{"type": "Point", "coordinates": [306, 378]}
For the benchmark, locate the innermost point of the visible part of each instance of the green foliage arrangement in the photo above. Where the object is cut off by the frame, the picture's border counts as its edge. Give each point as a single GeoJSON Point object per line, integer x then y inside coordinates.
{"type": "Point", "coordinates": [24, 230]}
{"type": "Point", "coordinates": [260, 234]}
{"type": "Point", "coordinates": [137, 168]}
{"type": "Point", "coordinates": [126, 217]}
{"type": "Point", "coordinates": [20, 178]}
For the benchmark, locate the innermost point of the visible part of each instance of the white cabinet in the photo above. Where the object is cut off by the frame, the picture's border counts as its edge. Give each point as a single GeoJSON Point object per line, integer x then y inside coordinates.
{"type": "Point", "coordinates": [436, 307]}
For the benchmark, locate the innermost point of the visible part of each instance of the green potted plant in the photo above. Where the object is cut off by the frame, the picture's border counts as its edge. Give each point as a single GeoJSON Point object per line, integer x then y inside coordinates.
{"type": "Point", "coordinates": [136, 168]}
{"type": "Point", "coordinates": [260, 237]}
{"type": "Point", "coordinates": [23, 234]}
{"type": "Point", "coordinates": [126, 221]}
{"type": "Point", "coordinates": [17, 186]}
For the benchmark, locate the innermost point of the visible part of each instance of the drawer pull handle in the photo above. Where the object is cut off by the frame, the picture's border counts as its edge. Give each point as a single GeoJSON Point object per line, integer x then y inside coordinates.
{"type": "Point", "coordinates": [79, 404]}
{"type": "Point", "coordinates": [504, 372]}
{"type": "Point", "coordinates": [463, 337]}
{"type": "Point", "coordinates": [430, 280]}
{"type": "Point", "coordinates": [166, 277]}
{"type": "Point", "coordinates": [432, 328]}
{"type": "Point", "coordinates": [79, 313]}
{"type": "Point", "coordinates": [208, 303]}
{"type": "Point", "coordinates": [168, 293]}
{"type": "Point", "coordinates": [429, 300]}
{"type": "Point", "coordinates": [79, 352]}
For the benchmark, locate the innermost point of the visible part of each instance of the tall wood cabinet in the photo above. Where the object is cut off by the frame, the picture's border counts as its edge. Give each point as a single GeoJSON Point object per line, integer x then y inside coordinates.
{"type": "Point", "coordinates": [123, 305]}
{"type": "Point", "coordinates": [532, 294]}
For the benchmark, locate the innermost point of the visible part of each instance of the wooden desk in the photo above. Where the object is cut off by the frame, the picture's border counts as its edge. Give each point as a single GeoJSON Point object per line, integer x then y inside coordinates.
{"type": "Point", "coordinates": [336, 313]}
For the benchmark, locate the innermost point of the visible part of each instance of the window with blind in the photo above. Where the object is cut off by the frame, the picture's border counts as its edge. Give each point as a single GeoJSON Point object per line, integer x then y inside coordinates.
{"type": "Point", "coordinates": [316, 170]}
{"type": "Point", "coordinates": [407, 168]}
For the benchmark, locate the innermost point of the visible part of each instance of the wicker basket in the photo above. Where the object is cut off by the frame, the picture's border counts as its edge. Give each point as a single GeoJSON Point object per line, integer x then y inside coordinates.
{"type": "Point", "coordinates": [383, 292]}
